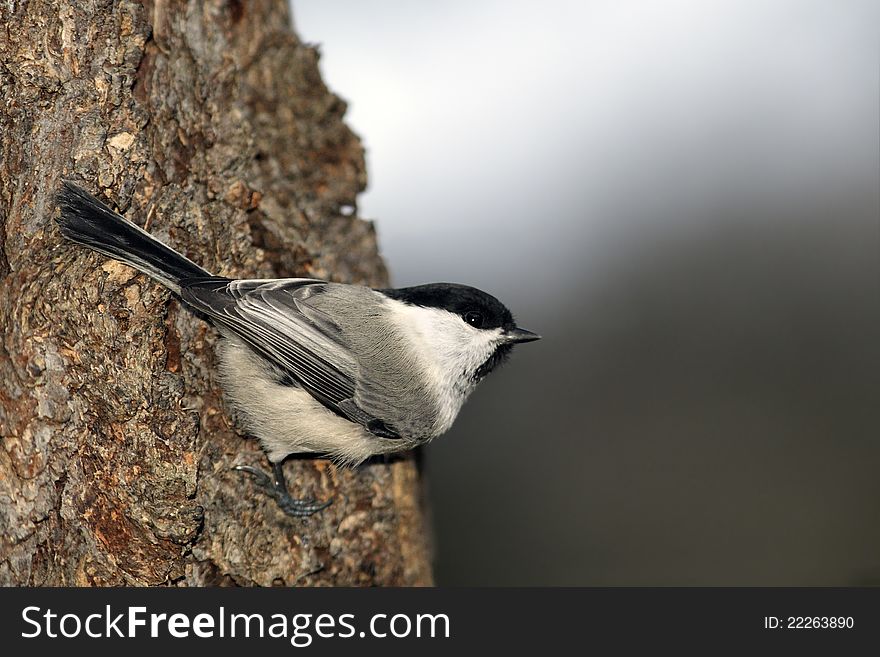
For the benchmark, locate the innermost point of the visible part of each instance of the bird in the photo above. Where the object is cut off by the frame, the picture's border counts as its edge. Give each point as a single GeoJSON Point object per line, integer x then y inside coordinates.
{"type": "Point", "coordinates": [317, 367]}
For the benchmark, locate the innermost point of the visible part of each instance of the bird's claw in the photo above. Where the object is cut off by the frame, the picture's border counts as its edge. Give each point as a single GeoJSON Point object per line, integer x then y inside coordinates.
{"type": "Point", "coordinates": [276, 488]}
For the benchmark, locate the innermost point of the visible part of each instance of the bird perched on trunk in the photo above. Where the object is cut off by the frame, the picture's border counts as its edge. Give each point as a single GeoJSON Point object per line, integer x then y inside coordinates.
{"type": "Point", "coordinates": [317, 367]}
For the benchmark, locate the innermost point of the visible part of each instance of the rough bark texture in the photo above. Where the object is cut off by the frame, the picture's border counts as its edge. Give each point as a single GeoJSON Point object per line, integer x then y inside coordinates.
{"type": "Point", "coordinates": [208, 122]}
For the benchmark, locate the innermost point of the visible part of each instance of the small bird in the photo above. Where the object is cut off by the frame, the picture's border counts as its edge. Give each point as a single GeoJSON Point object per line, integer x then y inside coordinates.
{"type": "Point", "coordinates": [311, 366]}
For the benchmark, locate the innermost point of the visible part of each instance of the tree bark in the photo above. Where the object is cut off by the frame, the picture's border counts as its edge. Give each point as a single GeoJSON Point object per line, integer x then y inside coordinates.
{"type": "Point", "coordinates": [208, 123]}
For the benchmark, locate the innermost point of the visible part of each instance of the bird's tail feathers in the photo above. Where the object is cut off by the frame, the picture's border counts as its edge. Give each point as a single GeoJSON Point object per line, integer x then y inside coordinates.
{"type": "Point", "coordinates": [87, 221]}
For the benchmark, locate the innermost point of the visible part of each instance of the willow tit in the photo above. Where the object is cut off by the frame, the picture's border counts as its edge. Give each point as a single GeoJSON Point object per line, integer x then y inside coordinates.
{"type": "Point", "coordinates": [318, 367]}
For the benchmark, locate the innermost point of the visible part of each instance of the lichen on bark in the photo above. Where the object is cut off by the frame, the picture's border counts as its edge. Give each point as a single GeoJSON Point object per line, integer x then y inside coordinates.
{"type": "Point", "coordinates": [208, 123]}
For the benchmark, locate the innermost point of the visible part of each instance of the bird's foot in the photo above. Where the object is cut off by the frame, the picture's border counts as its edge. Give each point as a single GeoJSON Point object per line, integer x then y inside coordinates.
{"type": "Point", "coordinates": [276, 488]}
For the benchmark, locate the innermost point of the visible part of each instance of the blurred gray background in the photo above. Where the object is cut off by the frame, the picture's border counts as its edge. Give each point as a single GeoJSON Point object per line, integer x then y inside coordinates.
{"type": "Point", "coordinates": [682, 197]}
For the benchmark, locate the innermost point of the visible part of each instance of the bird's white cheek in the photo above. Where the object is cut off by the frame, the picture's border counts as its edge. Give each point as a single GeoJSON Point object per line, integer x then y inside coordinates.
{"type": "Point", "coordinates": [447, 351]}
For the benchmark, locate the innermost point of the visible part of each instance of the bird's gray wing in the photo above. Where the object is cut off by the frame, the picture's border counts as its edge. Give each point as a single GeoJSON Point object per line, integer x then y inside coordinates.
{"type": "Point", "coordinates": [275, 319]}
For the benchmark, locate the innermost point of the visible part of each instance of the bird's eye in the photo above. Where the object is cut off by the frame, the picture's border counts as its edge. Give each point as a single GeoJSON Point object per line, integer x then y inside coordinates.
{"type": "Point", "coordinates": [474, 318]}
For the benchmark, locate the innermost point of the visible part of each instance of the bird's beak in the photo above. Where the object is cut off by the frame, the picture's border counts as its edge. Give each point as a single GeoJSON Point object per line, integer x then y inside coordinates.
{"type": "Point", "coordinates": [519, 335]}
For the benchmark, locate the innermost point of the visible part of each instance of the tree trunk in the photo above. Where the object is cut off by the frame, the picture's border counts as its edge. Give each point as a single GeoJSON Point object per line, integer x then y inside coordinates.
{"type": "Point", "coordinates": [207, 122]}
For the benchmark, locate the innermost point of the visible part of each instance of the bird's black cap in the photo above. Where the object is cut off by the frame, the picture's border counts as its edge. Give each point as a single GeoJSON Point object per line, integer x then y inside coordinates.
{"type": "Point", "coordinates": [476, 307]}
